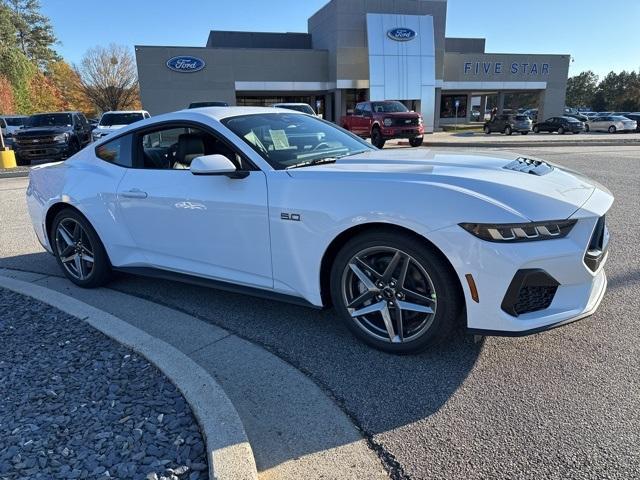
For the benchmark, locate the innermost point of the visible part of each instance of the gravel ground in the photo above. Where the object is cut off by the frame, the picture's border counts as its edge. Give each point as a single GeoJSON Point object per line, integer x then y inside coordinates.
{"type": "Point", "coordinates": [76, 404]}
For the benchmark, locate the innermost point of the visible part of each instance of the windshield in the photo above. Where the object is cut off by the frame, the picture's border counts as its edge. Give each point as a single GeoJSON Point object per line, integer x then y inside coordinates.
{"type": "Point", "coordinates": [50, 120]}
{"type": "Point", "coordinates": [298, 108]}
{"type": "Point", "coordinates": [571, 120]}
{"type": "Point", "coordinates": [15, 121]}
{"type": "Point", "coordinates": [286, 140]}
{"type": "Point", "coordinates": [388, 107]}
{"type": "Point", "coordinates": [109, 119]}
{"type": "Point", "coordinates": [522, 117]}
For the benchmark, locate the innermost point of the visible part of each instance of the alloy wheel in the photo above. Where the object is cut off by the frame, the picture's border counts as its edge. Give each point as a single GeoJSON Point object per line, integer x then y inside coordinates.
{"type": "Point", "coordinates": [389, 294]}
{"type": "Point", "coordinates": [74, 249]}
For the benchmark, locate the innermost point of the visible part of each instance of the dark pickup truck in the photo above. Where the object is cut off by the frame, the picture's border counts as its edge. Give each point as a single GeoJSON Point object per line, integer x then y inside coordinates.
{"type": "Point", "coordinates": [51, 136]}
{"type": "Point", "coordinates": [382, 121]}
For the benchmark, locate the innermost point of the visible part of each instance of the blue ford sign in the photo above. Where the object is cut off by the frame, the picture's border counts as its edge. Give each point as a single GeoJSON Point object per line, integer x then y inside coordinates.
{"type": "Point", "coordinates": [401, 34]}
{"type": "Point", "coordinates": [185, 64]}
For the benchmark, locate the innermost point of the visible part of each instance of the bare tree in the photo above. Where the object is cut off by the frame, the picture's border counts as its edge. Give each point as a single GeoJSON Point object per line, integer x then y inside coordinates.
{"type": "Point", "coordinates": [109, 78]}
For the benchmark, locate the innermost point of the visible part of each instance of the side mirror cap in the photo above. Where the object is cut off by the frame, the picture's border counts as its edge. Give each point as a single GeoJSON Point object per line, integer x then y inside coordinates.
{"type": "Point", "coordinates": [216, 165]}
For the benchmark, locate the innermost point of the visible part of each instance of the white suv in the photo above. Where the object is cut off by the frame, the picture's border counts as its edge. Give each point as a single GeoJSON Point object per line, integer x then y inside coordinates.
{"type": "Point", "coordinates": [112, 121]}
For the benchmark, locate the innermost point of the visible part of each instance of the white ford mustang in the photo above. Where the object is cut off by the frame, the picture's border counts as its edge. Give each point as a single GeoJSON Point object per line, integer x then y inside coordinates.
{"type": "Point", "coordinates": [403, 243]}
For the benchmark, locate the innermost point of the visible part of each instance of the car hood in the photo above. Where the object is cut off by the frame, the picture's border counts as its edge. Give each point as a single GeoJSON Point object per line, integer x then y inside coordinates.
{"type": "Point", "coordinates": [41, 131]}
{"type": "Point", "coordinates": [554, 195]}
{"type": "Point", "coordinates": [109, 129]}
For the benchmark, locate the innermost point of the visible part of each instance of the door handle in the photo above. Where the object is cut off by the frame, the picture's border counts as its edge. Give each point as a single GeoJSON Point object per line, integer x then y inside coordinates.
{"type": "Point", "coordinates": [134, 193]}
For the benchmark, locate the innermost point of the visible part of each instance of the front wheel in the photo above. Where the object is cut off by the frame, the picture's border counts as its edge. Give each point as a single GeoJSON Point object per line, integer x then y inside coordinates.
{"type": "Point", "coordinates": [394, 292]}
{"type": "Point", "coordinates": [486, 129]}
{"type": "Point", "coordinates": [536, 129]}
{"type": "Point", "coordinates": [416, 142]}
{"type": "Point", "coordinates": [508, 130]}
{"type": "Point", "coordinates": [612, 129]}
{"type": "Point", "coordinates": [376, 138]}
{"type": "Point", "coordinates": [586, 128]}
{"type": "Point", "coordinates": [78, 250]}
{"type": "Point", "coordinates": [561, 131]}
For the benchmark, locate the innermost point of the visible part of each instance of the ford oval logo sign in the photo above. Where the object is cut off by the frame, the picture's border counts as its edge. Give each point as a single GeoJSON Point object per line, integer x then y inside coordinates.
{"type": "Point", "coordinates": [401, 34]}
{"type": "Point", "coordinates": [185, 64]}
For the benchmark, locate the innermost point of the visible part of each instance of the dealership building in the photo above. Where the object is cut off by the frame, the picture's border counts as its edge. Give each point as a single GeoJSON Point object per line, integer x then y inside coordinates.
{"type": "Point", "coordinates": [354, 50]}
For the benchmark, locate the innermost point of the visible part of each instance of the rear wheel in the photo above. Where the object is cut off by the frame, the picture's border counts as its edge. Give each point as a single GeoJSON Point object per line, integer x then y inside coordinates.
{"type": "Point", "coordinates": [486, 129]}
{"type": "Point", "coordinates": [394, 292]}
{"type": "Point", "coordinates": [561, 131]}
{"type": "Point", "coordinates": [78, 250]}
{"type": "Point", "coordinates": [612, 129]}
{"type": "Point", "coordinates": [586, 127]}
{"type": "Point", "coordinates": [536, 129]}
{"type": "Point", "coordinates": [508, 130]}
{"type": "Point", "coordinates": [416, 142]}
{"type": "Point", "coordinates": [376, 138]}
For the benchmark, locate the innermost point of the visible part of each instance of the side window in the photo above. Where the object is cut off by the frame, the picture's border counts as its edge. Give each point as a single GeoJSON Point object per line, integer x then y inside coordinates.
{"type": "Point", "coordinates": [117, 151]}
{"type": "Point", "coordinates": [366, 110]}
{"type": "Point", "coordinates": [175, 147]}
{"type": "Point", "coordinates": [358, 109]}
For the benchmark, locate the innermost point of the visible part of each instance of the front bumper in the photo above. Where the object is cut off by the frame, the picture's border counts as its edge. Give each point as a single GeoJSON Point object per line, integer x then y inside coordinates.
{"type": "Point", "coordinates": [402, 132]}
{"type": "Point", "coordinates": [50, 151]}
{"type": "Point", "coordinates": [493, 267]}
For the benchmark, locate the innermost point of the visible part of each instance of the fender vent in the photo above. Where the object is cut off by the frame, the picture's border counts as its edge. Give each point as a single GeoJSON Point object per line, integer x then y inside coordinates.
{"type": "Point", "coordinates": [527, 165]}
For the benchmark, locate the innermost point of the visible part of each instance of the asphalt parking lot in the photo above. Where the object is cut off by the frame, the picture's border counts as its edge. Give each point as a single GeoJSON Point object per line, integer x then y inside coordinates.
{"type": "Point", "coordinates": [562, 404]}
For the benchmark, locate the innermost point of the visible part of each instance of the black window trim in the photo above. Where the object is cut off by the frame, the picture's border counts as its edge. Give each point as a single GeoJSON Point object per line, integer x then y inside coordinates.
{"type": "Point", "coordinates": [137, 133]}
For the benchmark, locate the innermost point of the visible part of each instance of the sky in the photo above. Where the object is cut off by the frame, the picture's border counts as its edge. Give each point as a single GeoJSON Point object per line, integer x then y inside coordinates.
{"type": "Point", "coordinates": [525, 26]}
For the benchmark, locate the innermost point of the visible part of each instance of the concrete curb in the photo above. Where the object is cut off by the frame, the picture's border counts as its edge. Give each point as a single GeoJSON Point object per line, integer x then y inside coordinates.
{"type": "Point", "coordinates": [14, 172]}
{"type": "Point", "coordinates": [229, 453]}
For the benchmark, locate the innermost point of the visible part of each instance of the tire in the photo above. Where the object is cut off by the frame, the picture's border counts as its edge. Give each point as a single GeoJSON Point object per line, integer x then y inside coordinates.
{"type": "Point", "coordinates": [612, 129]}
{"type": "Point", "coordinates": [416, 142]}
{"type": "Point", "coordinates": [586, 128]}
{"type": "Point", "coordinates": [486, 130]}
{"type": "Point", "coordinates": [508, 130]}
{"type": "Point", "coordinates": [21, 162]}
{"type": "Point", "coordinates": [536, 129]}
{"type": "Point", "coordinates": [524, 133]}
{"type": "Point", "coordinates": [561, 131]}
{"type": "Point", "coordinates": [88, 275]}
{"type": "Point", "coordinates": [74, 148]}
{"type": "Point", "coordinates": [437, 289]}
{"type": "Point", "coordinates": [376, 138]}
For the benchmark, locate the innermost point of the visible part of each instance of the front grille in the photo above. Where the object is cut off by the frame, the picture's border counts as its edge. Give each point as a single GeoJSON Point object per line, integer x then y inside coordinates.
{"type": "Point", "coordinates": [533, 299]}
{"type": "Point", "coordinates": [35, 141]}
{"type": "Point", "coordinates": [404, 122]}
{"type": "Point", "coordinates": [531, 290]}
{"type": "Point", "coordinates": [598, 245]}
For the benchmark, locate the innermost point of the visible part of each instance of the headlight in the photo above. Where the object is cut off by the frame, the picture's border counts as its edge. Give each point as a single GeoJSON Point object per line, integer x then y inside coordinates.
{"type": "Point", "coordinates": [387, 122]}
{"type": "Point", "coordinates": [520, 232]}
{"type": "Point", "coordinates": [63, 137]}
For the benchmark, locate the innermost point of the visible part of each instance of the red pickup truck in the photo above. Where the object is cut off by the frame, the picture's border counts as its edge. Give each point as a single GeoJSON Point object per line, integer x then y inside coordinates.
{"type": "Point", "coordinates": [382, 121]}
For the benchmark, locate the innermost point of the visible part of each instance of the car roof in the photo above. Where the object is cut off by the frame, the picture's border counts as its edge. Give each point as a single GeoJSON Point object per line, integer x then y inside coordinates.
{"type": "Point", "coordinates": [70, 112]}
{"type": "Point", "coordinates": [291, 103]}
{"type": "Point", "coordinates": [125, 111]}
{"type": "Point", "coordinates": [220, 113]}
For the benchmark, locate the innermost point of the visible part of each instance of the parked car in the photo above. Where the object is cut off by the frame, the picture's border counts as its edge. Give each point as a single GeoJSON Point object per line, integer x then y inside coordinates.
{"type": "Point", "coordinates": [208, 104]}
{"type": "Point", "coordinates": [51, 136]}
{"type": "Point", "coordinates": [403, 244]}
{"type": "Point", "coordinates": [385, 120]}
{"type": "Point", "coordinates": [532, 113]}
{"type": "Point", "coordinates": [635, 117]}
{"type": "Point", "coordinates": [611, 124]}
{"type": "Point", "coordinates": [508, 124]}
{"type": "Point", "coordinates": [298, 107]}
{"type": "Point", "coordinates": [115, 120]}
{"type": "Point", "coordinates": [561, 125]}
{"type": "Point", "coordinates": [577, 116]}
{"type": "Point", "coordinates": [10, 124]}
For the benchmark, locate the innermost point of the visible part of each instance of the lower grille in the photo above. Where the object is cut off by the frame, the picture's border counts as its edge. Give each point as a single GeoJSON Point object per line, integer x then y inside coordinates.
{"type": "Point", "coordinates": [531, 290]}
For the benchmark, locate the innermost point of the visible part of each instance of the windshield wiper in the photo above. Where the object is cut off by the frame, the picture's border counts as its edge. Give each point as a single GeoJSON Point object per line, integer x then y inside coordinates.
{"type": "Point", "coordinates": [319, 161]}
{"type": "Point", "coordinates": [310, 163]}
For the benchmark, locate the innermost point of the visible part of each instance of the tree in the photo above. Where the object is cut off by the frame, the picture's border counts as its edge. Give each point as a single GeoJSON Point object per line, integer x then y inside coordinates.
{"type": "Point", "coordinates": [18, 70]}
{"type": "Point", "coordinates": [109, 78]}
{"type": "Point", "coordinates": [7, 104]}
{"type": "Point", "coordinates": [581, 89]}
{"type": "Point", "coordinates": [33, 32]}
{"type": "Point", "coordinates": [45, 97]}
{"type": "Point", "coordinates": [69, 86]}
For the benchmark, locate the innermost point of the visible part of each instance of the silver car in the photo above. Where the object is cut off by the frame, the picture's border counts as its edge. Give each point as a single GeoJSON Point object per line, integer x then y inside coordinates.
{"type": "Point", "coordinates": [611, 124]}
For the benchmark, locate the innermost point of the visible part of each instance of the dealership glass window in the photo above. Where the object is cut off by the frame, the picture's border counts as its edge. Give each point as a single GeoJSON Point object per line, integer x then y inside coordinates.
{"type": "Point", "coordinates": [448, 106]}
{"type": "Point", "coordinates": [352, 97]}
{"type": "Point", "coordinates": [117, 151]}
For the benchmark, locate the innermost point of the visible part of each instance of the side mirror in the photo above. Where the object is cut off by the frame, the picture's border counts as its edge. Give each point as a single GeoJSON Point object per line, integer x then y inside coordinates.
{"type": "Point", "coordinates": [216, 165]}
{"type": "Point", "coordinates": [349, 111]}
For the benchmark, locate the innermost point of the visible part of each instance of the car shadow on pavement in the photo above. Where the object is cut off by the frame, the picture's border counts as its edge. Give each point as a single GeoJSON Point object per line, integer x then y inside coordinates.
{"type": "Point", "coordinates": [378, 391]}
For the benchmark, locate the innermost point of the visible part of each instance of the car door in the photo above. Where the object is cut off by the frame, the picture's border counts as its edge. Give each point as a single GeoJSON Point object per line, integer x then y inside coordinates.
{"type": "Point", "coordinates": [598, 123]}
{"type": "Point", "coordinates": [211, 225]}
{"type": "Point", "coordinates": [357, 120]}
